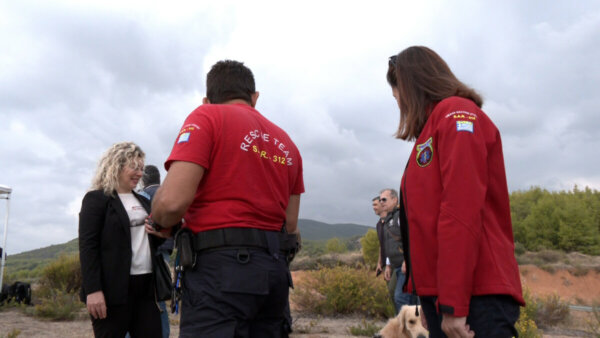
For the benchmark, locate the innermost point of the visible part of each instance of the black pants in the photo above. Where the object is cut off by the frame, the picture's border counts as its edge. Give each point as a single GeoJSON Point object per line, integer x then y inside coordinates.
{"type": "Point", "coordinates": [492, 316]}
{"type": "Point", "coordinates": [238, 292]}
{"type": "Point", "coordinates": [140, 316]}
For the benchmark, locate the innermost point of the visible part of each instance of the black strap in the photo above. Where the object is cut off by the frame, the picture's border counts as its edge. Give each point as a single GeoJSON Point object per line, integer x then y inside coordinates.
{"type": "Point", "coordinates": [242, 237]}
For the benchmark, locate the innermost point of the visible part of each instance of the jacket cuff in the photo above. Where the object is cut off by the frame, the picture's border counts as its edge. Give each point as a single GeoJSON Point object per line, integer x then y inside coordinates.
{"type": "Point", "coordinates": [455, 311]}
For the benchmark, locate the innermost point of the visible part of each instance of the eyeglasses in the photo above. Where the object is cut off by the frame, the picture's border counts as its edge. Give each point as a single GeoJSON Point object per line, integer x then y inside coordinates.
{"type": "Point", "coordinates": [392, 60]}
{"type": "Point", "coordinates": [383, 199]}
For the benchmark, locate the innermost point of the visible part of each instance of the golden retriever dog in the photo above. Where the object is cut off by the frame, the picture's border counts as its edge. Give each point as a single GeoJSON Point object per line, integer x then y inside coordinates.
{"type": "Point", "coordinates": [407, 324]}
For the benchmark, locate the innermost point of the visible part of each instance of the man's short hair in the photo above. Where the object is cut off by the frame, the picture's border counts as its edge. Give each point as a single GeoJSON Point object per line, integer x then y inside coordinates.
{"type": "Point", "coordinates": [393, 192]}
{"type": "Point", "coordinates": [228, 80]}
{"type": "Point", "coordinates": [376, 198]}
{"type": "Point", "coordinates": [151, 175]}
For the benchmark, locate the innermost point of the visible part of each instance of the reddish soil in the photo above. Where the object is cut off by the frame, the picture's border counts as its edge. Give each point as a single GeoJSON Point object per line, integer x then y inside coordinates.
{"type": "Point", "coordinates": [576, 290]}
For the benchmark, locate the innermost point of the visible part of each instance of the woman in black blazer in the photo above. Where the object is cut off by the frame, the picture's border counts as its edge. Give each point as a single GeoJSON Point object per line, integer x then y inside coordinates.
{"type": "Point", "coordinates": [116, 251]}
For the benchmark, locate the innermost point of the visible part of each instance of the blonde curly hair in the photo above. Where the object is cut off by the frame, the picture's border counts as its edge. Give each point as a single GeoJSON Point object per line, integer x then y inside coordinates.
{"type": "Point", "coordinates": [112, 163]}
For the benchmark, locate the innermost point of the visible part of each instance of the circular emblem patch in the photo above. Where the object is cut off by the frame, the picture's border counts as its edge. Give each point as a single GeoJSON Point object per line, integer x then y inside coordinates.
{"type": "Point", "coordinates": [425, 153]}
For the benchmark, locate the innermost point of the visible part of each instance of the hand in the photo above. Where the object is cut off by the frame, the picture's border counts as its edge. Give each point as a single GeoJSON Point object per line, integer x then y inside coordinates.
{"type": "Point", "coordinates": [456, 327]}
{"type": "Point", "coordinates": [163, 233]}
{"type": "Point", "coordinates": [96, 305]}
{"type": "Point", "coordinates": [388, 273]}
{"type": "Point", "coordinates": [403, 267]}
{"type": "Point", "coordinates": [378, 270]}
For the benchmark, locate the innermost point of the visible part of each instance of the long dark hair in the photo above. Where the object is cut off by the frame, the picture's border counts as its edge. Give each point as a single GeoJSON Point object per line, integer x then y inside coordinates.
{"type": "Point", "coordinates": [422, 78]}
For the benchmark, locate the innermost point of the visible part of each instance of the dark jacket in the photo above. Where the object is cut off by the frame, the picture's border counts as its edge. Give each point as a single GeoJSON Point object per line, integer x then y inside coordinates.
{"type": "Point", "coordinates": [105, 246]}
{"type": "Point", "coordinates": [392, 238]}
{"type": "Point", "coordinates": [379, 228]}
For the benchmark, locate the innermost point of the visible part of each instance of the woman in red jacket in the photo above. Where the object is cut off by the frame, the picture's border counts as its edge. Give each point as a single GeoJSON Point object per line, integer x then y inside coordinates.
{"type": "Point", "coordinates": [455, 202]}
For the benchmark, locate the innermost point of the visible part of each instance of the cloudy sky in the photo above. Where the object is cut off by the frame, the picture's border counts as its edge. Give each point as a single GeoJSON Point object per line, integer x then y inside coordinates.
{"type": "Point", "coordinates": [78, 76]}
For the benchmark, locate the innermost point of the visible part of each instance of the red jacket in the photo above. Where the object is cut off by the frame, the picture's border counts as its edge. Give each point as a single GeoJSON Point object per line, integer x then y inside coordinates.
{"type": "Point", "coordinates": [456, 199]}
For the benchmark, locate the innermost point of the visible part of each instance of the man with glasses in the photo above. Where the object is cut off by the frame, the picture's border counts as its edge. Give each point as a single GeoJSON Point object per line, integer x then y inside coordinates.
{"type": "Point", "coordinates": [392, 243]}
{"type": "Point", "coordinates": [391, 283]}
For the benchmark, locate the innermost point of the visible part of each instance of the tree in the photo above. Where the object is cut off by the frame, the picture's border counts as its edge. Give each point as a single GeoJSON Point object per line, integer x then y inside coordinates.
{"type": "Point", "coordinates": [334, 245]}
{"type": "Point", "coordinates": [370, 248]}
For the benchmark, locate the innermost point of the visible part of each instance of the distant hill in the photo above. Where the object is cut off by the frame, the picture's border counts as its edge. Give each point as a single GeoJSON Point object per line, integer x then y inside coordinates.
{"type": "Point", "coordinates": [310, 230]}
{"type": "Point", "coordinates": [315, 230]}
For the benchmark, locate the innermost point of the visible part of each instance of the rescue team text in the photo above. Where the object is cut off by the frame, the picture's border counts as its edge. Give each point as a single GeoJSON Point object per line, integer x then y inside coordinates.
{"type": "Point", "coordinates": [248, 139]}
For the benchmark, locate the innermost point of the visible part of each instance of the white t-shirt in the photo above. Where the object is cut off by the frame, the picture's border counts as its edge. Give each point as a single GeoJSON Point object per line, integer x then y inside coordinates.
{"type": "Point", "coordinates": [141, 262]}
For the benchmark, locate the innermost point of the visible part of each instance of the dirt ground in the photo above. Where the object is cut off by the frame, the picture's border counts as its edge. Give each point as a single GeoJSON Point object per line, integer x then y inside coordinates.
{"type": "Point", "coordinates": [573, 287]}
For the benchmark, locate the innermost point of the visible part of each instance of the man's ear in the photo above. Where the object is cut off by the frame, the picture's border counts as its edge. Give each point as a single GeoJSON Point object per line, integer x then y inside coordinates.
{"type": "Point", "coordinates": [205, 100]}
{"type": "Point", "coordinates": [254, 98]}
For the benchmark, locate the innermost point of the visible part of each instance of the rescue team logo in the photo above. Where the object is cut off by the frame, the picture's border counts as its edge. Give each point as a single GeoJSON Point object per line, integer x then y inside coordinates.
{"type": "Point", "coordinates": [461, 114]}
{"type": "Point", "coordinates": [186, 132]}
{"type": "Point", "coordinates": [464, 126]}
{"type": "Point", "coordinates": [425, 153]}
{"type": "Point", "coordinates": [247, 144]}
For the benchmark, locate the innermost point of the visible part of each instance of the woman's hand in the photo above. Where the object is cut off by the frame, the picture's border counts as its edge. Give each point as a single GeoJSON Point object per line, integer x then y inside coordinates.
{"type": "Point", "coordinates": [388, 273]}
{"type": "Point", "coordinates": [456, 327]}
{"type": "Point", "coordinates": [96, 305]}
{"type": "Point", "coordinates": [163, 233]}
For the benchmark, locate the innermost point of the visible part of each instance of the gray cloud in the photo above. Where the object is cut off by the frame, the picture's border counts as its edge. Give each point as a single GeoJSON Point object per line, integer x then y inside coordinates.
{"type": "Point", "coordinates": [75, 79]}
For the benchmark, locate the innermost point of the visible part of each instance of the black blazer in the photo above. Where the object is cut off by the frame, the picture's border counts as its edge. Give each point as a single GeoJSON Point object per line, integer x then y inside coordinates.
{"type": "Point", "coordinates": [105, 246]}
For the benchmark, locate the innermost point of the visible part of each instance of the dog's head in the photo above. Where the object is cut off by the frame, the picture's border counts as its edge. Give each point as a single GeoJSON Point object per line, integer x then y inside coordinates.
{"type": "Point", "coordinates": [407, 324]}
{"type": "Point", "coordinates": [410, 317]}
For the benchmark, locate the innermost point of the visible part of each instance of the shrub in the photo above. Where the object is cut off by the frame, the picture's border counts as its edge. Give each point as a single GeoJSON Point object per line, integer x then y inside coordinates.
{"type": "Point", "coordinates": [334, 245]}
{"type": "Point", "coordinates": [58, 306]}
{"type": "Point", "coordinates": [62, 274]}
{"type": "Point", "coordinates": [594, 322]}
{"type": "Point", "coordinates": [551, 311]}
{"type": "Point", "coordinates": [352, 259]}
{"type": "Point", "coordinates": [551, 256]}
{"type": "Point", "coordinates": [14, 333]}
{"type": "Point", "coordinates": [526, 325]}
{"type": "Point", "coordinates": [57, 298]}
{"type": "Point", "coordinates": [364, 329]}
{"type": "Point", "coordinates": [370, 248]}
{"type": "Point", "coordinates": [579, 271]}
{"type": "Point", "coordinates": [343, 290]}
{"type": "Point", "coordinates": [519, 248]}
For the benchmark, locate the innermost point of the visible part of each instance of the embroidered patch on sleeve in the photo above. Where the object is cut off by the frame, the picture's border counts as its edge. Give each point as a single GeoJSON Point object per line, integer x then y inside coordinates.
{"type": "Point", "coordinates": [425, 153]}
{"type": "Point", "coordinates": [464, 126]}
{"type": "Point", "coordinates": [183, 137]}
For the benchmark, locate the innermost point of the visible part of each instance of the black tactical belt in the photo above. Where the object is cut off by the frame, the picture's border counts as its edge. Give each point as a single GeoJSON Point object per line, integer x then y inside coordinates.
{"type": "Point", "coordinates": [241, 237]}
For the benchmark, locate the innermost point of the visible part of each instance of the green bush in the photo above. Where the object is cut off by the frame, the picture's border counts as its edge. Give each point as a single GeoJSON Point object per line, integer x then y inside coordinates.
{"type": "Point", "coordinates": [526, 325]}
{"type": "Point", "coordinates": [519, 248]}
{"type": "Point", "coordinates": [343, 290]}
{"type": "Point", "coordinates": [334, 245]}
{"type": "Point", "coordinates": [58, 306]}
{"type": "Point", "coordinates": [370, 248]}
{"type": "Point", "coordinates": [57, 298]}
{"type": "Point", "coordinates": [62, 274]}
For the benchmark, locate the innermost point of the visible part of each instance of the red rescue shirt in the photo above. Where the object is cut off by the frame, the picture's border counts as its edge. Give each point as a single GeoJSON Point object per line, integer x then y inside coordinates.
{"type": "Point", "coordinates": [457, 206]}
{"type": "Point", "coordinates": [251, 168]}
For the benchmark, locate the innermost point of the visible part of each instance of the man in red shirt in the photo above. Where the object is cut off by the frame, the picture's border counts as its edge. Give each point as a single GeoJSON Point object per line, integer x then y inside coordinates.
{"type": "Point", "coordinates": [236, 179]}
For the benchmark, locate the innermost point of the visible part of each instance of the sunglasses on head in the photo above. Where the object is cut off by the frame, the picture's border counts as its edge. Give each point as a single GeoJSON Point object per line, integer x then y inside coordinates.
{"type": "Point", "coordinates": [392, 60]}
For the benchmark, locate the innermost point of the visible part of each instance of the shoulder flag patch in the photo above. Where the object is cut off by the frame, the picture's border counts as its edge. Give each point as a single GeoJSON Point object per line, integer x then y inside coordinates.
{"type": "Point", "coordinates": [464, 126]}
{"type": "Point", "coordinates": [184, 137]}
